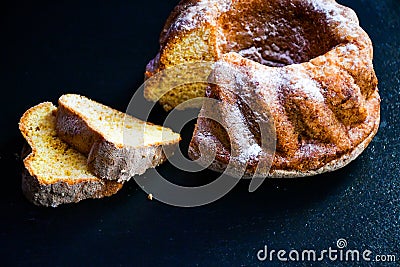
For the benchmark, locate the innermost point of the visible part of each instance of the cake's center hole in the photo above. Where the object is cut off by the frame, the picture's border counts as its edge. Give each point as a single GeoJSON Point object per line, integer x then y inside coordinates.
{"type": "Point", "coordinates": [276, 34]}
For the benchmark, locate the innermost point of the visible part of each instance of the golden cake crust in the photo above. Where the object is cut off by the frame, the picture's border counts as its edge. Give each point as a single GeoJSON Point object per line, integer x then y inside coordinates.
{"type": "Point", "coordinates": [309, 61]}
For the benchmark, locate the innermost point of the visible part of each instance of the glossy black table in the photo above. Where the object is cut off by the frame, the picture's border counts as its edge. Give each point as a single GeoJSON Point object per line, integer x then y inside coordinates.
{"type": "Point", "coordinates": [100, 50]}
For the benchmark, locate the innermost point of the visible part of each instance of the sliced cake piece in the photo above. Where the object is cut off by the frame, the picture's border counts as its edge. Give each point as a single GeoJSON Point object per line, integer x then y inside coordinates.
{"type": "Point", "coordinates": [55, 173]}
{"type": "Point", "coordinates": [118, 146]}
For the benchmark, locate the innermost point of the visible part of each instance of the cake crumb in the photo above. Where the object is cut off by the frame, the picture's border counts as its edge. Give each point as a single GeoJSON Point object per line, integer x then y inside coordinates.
{"type": "Point", "coordinates": [150, 196]}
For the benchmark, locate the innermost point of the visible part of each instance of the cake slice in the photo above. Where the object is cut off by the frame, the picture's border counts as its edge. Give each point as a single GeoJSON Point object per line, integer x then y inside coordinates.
{"type": "Point", "coordinates": [55, 173]}
{"type": "Point", "coordinates": [118, 146]}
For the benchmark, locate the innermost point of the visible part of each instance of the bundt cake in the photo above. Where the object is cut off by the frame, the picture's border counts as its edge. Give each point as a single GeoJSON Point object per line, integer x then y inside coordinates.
{"type": "Point", "coordinates": [308, 61]}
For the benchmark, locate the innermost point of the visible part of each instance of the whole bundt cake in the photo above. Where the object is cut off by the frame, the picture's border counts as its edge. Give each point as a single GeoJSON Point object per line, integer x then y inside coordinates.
{"type": "Point", "coordinates": [308, 61]}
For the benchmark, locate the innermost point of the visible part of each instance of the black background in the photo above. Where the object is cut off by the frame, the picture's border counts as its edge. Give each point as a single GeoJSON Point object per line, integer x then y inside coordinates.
{"type": "Point", "coordinates": [100, 49]}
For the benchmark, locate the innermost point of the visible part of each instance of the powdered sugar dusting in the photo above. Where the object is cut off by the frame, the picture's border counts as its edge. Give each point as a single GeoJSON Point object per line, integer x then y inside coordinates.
{"type": "Point", "coordinates": [302, 84]}
{"type": "Point", "coordinates": [258, 53]}
{"type": "Point", "coordinates": [251, 152]}
{"type": "Point", "coordinates": [337, 15]}
{"type": "Point", "coordinates": [204, 10]}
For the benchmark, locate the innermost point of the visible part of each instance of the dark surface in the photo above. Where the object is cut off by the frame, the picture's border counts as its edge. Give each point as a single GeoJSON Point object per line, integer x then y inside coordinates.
{"type": "Point", "coordinates": [100, 50]}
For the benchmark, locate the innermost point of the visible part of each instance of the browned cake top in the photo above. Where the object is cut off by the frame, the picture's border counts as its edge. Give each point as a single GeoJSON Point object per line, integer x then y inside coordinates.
{"type": "Point", "coordinates": [308, 61]}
